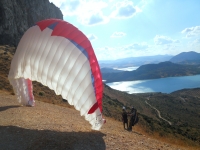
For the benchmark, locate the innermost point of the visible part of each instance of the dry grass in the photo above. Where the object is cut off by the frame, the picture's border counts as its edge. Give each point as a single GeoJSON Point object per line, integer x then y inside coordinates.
{"type": "Point", "coordinates": [48, 126]}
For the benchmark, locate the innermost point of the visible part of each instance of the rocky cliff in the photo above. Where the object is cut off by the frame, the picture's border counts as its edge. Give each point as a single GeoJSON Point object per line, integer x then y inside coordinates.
{"type": "Point", "coordinates": [16, 16]}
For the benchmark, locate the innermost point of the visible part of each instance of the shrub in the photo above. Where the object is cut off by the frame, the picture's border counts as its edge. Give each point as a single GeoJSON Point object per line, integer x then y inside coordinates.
{"type": "Point", "coordinates": [41, 93]}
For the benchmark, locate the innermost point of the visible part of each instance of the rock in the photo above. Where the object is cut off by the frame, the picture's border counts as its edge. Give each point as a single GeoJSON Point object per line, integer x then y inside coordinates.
{"type": "Point", "coordinates": [16, 16]}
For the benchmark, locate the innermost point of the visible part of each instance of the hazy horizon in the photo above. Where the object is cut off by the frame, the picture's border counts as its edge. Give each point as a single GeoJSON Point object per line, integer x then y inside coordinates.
{"type": "Point", "coordinates": [136, 57]}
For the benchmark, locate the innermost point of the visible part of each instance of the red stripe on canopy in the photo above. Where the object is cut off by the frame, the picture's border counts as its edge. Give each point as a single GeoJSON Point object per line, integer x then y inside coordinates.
{"type": "Point", "coordinates": [70, 32]}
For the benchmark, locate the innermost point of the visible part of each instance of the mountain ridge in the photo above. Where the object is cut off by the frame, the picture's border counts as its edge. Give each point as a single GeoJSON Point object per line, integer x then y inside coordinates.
{"type": "Point", "coordinates": [134, 61]}
{"type": "Point", "coordinates": [152, 71]}
{"type": "Point", "coordinates": [191, 57]}
{"type": "Point", "coordinates": [184, 56]}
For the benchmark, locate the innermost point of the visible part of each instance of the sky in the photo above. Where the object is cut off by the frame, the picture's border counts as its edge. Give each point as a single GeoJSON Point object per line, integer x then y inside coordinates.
{"type": "Point", "coordinates": [132, 28]}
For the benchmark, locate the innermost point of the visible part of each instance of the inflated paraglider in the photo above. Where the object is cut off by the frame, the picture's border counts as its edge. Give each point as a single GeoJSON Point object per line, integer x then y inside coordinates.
{"type": "Point", "coordinates": [58, 55]}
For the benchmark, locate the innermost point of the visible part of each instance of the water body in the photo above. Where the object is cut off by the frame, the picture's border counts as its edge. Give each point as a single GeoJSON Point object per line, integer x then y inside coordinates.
{"type": "Point", "coordinates": [127, 68]}
{"type": "Point", "coordinates": [164, 85]}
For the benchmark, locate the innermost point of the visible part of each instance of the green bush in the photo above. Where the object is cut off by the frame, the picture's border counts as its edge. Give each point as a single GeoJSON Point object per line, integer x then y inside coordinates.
{"type": "Point", "coordinates": [41, 93]}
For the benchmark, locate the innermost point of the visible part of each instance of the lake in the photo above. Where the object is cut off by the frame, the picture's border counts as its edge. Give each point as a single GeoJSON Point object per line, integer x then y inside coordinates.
{"type": "Point", "coordinates": [164, 85]}
{"type": "Point", "coordinates": [127, 68]}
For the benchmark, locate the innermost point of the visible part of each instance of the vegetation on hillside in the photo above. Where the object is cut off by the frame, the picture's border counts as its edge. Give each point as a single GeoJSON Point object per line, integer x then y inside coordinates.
{"type": "Point", "coordinates": [181, 107]}
{"type": "Point", "coordinates": [152, 71]}
{"type": "Point", "coordinates": [185, 118]}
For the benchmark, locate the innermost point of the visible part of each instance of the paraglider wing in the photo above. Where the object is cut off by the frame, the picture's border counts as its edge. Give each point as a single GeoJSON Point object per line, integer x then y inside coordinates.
{"type": "Point", "coordinates": [58, 55]}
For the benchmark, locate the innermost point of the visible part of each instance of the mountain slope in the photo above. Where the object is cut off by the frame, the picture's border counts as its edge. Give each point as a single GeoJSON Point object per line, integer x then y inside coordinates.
{"type": "Point", "coordinates": [186, 56]}
{"type": "Point", "coordinates": [152, 71]}
{"type": "Point", "coordinates": [47, 126]}
{"type": "Point", "coordinates": [113, 100]}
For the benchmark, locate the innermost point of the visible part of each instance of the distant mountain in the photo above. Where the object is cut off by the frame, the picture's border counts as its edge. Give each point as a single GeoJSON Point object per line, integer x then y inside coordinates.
{"type": "Point", "coordinates": [152, 71]}
{"type": "Point", "coordinates": [109, 70]}
{"type": "Point", "coordinates": [187, 58]}
{"type": "Point", "coordinates": [134, 61]}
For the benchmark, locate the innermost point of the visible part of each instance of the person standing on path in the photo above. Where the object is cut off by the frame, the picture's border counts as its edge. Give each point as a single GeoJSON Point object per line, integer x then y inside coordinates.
{"type": "Point", "coordinates": [132, 118]}
{"type": "Point", "coordinates": [124, 118]}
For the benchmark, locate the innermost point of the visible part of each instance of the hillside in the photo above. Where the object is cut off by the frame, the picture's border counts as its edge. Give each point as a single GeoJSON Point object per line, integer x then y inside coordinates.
{"type": "Point", "coordinates": [150, 124]}
{"type": "Point", "coordinates": [152, 71]}
{"type": "Point", "coordinates": [47, 126]}
{"type": "Point", "coordinates": [186, 57]}
{"type": "Point", "coordinates": [182, 109]}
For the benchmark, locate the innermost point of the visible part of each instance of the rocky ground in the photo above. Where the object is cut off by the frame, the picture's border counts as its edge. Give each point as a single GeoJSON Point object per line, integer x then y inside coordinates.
{"type": "Point", "coordinates": [48, 126]}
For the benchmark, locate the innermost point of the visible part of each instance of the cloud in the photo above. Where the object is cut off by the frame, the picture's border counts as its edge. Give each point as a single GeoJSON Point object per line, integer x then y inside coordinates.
{"type": "Point", "coordinates": [94, 12]}
{"type": "Point", "coordinates": [124, 9]}
{"type": "Point", "coordinates": [196, 42]}
{"type": "Point", "coordinates": [117, 34]}
{"type": "Point", "coordinates": [93, 19]}
{"type": "Point", "coordinates": [162, 40]}
{"type": "Point", "coordinates": [138, 46]}
{"type": "Point", "coordinates": [131, 50]}
{"type": "Point", "coordinates": [72, 6]}
{"type": "Point", "coordinates": [107, 53]}
{"type": "Point", "coordinates": [87, 12]}
{"type": "Point", "coordinates": [191, 32]}
{"type": "Point", "coordinates": [92, 37]}
{"type": "Point", "coordinates": [58, 3]}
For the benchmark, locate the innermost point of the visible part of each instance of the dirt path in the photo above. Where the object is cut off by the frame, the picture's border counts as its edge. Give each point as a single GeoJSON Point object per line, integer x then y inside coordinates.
{"type": "Point", "coordinates": [159, 115]}
{"type": "Point", "coordinates": [47, 126]}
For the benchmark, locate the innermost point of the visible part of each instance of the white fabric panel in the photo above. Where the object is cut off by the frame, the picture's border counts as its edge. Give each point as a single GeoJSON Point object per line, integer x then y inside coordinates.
{"type": "Point", "coordinates": [57, 63]}
{"type": "Point", "coordinates": [21, 90]}
{"type": "Point", "coordinates": [95, 119]}
{"type": "Point", "coordinates": [36, 55]}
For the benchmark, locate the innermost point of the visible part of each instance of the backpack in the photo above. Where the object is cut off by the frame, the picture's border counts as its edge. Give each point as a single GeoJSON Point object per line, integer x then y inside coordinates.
{"type": "Point", "coordinates": [135, 119]}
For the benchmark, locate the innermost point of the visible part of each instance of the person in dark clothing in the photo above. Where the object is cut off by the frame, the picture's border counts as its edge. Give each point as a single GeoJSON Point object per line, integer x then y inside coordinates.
{"type": "Point", "coordinates": [124, 118]}
{"type": "Point", "coordinates": [132, 118]}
